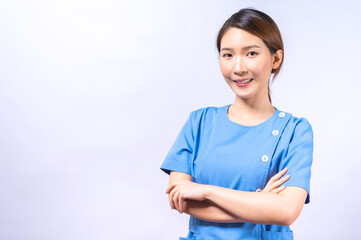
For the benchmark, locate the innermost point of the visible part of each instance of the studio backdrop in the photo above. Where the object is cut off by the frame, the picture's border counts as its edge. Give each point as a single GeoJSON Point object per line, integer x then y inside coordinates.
{"type": "Point", "coordinates": [94, 93]}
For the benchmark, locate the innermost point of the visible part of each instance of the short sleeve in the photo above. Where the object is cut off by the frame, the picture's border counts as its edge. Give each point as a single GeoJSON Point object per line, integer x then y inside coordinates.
{"type": "Point", "coordinates": [179, 157]}
{"type": "Point", "coordinates": [299, 157]}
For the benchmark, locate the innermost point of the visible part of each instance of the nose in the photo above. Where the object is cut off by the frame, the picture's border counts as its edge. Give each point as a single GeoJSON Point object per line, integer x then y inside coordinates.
{"type": "Point", "coordinates": [239, 67]}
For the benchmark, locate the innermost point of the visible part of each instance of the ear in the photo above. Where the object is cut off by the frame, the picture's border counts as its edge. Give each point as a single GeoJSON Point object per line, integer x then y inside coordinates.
{"type": "Point", "coordinates": [277, 59]}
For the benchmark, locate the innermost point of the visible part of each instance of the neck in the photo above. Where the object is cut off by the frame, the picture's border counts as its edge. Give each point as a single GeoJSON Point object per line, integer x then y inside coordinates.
{"type": "Point", "coordinates": [255, 105]}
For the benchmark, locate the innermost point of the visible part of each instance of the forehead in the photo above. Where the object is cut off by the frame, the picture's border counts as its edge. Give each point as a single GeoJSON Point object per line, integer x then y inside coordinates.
{"type": "Point", "coordinates": [236, 37]}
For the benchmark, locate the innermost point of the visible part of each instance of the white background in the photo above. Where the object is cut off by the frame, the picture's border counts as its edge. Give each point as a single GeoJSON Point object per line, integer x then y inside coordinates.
{"type": "Point", "coordinates": [94, 92]}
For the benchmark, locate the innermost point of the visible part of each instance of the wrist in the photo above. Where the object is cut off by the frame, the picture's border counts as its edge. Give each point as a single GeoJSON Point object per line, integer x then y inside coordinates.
{"type": "Point", "coordinates": [208, 192]}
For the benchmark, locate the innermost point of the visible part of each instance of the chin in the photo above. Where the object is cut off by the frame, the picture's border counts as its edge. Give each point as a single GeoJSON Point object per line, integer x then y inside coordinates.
{"type": "Point", "coordinates": [244, 97]}
{"type": "Point", "coordinates": [244, 94]}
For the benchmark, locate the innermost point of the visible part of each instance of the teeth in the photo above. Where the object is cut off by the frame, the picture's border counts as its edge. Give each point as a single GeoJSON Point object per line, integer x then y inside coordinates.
{"type": "Point", "coordinates": [244, 81]}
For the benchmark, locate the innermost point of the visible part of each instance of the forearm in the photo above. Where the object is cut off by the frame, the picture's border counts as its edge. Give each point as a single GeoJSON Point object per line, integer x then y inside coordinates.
{"type": "Point", "coordinates": [208, 211]}
{"type": "Point", "coordinates": [274, 205]}
{"type": "Point", "coordinates": [256, 207]}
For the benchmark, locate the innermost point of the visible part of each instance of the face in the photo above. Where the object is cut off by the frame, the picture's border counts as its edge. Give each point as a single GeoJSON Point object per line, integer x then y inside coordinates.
{"type": "Point", "coordinates": [246, 63]}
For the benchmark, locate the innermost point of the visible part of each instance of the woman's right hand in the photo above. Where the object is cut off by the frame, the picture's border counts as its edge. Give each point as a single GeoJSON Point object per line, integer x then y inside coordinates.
{"type": "Point", "coordinates": [273, 185]}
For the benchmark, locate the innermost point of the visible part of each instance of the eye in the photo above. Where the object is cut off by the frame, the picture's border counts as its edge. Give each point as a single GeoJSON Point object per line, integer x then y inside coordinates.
{"type": "Point", "coordinates": [227, 55]}
{"type": "Point", "coordinates": [252, 53]}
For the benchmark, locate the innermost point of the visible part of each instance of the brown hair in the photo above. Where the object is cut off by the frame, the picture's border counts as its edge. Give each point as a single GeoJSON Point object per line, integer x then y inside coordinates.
{"type": "Point", "coordinates": [259, 24]}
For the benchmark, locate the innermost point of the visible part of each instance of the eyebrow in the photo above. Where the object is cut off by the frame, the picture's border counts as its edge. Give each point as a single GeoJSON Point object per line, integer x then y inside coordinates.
{"type": "Point", "coordinates": [244, 48]}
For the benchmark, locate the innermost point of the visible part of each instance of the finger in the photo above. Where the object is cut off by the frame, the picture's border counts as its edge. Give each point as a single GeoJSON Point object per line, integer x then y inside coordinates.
{"type": "Point", "coordinates": [280, 182]}
{"type": "Point", "coordinates": [170, 199]}
{"type": "Point", "coordinates": [266, 189]}
{"type": "Point", "coordinates": [176, 201]}
{"type": "Point", "coordinates": [170, 187]}
{"type": "Point", "coordinates": [279, 174]}
{"type": "Point", "coordinates": [171, 196]}
{"type": "Point", "coordinates": [184, 205]}
{"type": "Point", "coordinates": [278, 190]}
{"type": "Point", "coordinates": [180, 203]}
{"type": "Point", "coordinates": [270, 184]}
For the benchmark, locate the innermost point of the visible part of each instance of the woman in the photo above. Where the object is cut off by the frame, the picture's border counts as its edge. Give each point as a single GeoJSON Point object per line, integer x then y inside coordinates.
{"type": "Point", "coordinates": [224, 154]}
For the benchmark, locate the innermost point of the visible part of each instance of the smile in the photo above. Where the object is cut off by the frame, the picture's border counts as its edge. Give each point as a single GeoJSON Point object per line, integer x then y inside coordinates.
{"type": "Point", "coordinates": [243, 81]}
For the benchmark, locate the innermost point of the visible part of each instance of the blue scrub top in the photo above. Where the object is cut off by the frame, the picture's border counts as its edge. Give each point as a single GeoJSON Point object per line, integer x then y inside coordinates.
{"type": "Point", "coordinates": [216, 151]}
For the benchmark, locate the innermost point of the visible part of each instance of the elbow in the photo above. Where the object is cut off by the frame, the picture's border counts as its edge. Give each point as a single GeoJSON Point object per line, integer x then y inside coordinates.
{"type": "Point", "coordinates": [289, 217]}
{"type": "Point", "coordinates": [288, 221]}
{"type": "Point", "coordinates": [290, 206]}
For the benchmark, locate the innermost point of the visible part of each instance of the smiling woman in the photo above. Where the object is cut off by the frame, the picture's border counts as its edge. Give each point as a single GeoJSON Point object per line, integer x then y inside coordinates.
{"type": "Point", "coordinates": [224, 155]}
{"type": "Point", "coordinates": [245, 59]}
{"type": "Point", "coordinates": [259, 28]}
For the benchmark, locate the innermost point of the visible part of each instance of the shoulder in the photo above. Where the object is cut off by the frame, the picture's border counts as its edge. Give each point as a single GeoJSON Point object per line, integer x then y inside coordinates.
{"type": "Point", "coordinates": [299, 126]}
{"type": "Point", "coordinates": [207, 110]}
{"type": "Point", "coordinates": [206, 113]}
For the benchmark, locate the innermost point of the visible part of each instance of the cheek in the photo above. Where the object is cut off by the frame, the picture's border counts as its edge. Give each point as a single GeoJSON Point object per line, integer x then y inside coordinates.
{"type": "Point", "coordinates": [260, 67]}
{"type": "Point", "coordinates": [255, 67]}
{"type": "Point", "coordinates": [225, 69]}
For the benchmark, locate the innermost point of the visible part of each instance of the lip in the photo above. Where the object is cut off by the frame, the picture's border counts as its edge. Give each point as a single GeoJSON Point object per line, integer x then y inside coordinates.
{"type": "Point", "coordinates": [242, 84]}
{"type": "Point", "coordinates": [242, 79]}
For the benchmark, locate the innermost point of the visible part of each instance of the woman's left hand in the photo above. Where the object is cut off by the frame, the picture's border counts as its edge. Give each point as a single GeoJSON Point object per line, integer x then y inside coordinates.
{"type": "Point", "coordinates": [273, 185]}
{"type": "Point", "coordinates": [180, 191]}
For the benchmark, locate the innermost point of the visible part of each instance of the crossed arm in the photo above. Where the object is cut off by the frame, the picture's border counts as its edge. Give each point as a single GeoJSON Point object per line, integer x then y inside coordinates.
{"type": "Point", "coordinates": [272, 205]}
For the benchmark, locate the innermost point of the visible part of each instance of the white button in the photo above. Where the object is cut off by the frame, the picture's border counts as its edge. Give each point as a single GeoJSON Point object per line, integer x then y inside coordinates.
{"type": "Point", "coordinates": [282, 114]}
{"type": "Point", "coordinates": [264, 158]}
{"type": "Point", "coordinates": [275, 132]}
